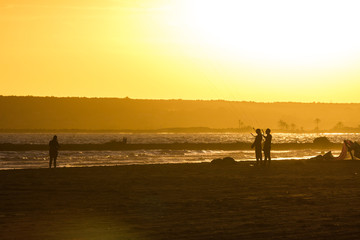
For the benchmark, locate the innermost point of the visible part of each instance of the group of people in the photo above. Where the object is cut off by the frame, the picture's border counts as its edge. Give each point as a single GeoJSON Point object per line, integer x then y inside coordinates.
{"type": "Point", "coordinates": [257, 144]}
{"type": "Point", "coordinates": [259, 147]}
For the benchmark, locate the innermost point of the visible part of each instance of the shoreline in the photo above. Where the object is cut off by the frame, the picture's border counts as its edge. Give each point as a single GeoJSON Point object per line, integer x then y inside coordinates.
{"type": "Point", "coordinates": [251, 163]}
{"type": "Point", "coordinates": [68, 159]}
{"type": "Point", "coordinates": [119, 146]}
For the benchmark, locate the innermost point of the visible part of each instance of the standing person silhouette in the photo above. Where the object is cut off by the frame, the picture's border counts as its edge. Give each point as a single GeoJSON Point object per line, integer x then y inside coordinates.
{"type": "Point", "coordinates": [267, 146]}
{"type": "Point", "coordinates": [257, 145]}
{"type": "Point", "coordinates": [53, 150]}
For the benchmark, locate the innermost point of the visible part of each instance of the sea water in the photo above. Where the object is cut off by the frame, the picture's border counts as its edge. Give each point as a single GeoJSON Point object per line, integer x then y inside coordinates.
{"type": "Point", "coordinates": [99, 138]}
{"type": "Point", "coordinates": [39, 159]}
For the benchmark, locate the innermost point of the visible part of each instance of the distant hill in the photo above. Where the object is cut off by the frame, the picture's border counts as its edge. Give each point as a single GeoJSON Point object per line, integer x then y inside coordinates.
{"type": "Point", "coordinates": [98, 114]}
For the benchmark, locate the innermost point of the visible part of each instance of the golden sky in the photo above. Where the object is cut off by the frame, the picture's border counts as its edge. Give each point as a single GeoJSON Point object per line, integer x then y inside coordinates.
{"type": "Point", "coordinates": [191, 49]}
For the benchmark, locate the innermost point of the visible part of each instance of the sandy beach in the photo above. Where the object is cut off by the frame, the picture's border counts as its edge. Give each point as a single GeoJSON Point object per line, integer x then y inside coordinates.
{"type": "Point", "coordinates": [288, 200]}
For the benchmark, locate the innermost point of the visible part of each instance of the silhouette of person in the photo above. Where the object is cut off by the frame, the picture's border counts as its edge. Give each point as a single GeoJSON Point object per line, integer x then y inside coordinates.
{"type": "Point", "coordinates": [267, 146]}
{"type": "Point", "coordinates": [351, 147]}
{"type": "Point", "coordinates": [53, 150]}
{"type": "Point", "coordinates": [257, 145]}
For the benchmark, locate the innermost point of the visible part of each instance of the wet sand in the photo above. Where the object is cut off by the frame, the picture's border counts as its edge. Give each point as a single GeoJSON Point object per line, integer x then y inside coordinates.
{"type": "Point", "coordinates": [288, 200]}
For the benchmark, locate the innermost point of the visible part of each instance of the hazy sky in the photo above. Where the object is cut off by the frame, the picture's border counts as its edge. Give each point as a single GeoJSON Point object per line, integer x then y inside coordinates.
{"type": "Point", "coordinates": [190, 49]}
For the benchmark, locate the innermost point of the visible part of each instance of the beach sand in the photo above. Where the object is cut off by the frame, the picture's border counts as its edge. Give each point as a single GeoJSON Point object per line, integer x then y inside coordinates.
{"type": "Point", "coordinates": [288, 200]}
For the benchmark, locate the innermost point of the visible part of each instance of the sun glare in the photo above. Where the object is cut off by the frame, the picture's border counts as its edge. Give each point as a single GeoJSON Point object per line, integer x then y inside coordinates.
{"type": "Point", "coordinates": [281, 32]}
{"type": "Point", "coordinates": [290, 50]}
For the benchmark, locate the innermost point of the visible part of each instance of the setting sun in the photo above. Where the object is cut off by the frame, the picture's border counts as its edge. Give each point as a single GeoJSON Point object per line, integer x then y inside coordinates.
{"type": "Point", "coordinates": [286, 33]}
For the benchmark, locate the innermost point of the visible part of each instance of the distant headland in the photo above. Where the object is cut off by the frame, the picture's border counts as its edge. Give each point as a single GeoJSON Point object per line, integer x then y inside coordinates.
{"type": "Point", "coordinates": [72, 114]}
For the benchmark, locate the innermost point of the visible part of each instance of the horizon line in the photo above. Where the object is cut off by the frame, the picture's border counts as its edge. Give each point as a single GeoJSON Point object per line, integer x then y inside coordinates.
{"type": "Point", "coordinates": [177, 99]}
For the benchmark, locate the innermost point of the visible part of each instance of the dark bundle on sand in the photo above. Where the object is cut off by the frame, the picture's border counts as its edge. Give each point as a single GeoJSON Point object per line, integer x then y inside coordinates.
{"type": "Point", "coordinates": [326, 157]}
{"type": "Point", "coordinates": [224, 161]}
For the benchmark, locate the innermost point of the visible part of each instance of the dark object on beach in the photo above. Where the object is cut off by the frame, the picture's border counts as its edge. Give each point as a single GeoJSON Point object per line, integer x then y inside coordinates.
{"type": "Point", "coordinates": [257, 144]}
{"type": "Point", "coordinates": [224, 161]}
{"type": "Point", "coordinates": [267, 146]}
{"type": "Point", "coordinates": [328, 156]}
{"type": "Point", "coordinates": [53, 151]}
{"type": "Point", "coordinates": [357, 150]}
{"type": "Point", "coordinates": [322, 141]}
{"type": "Point", "coordinates": [353, 148]}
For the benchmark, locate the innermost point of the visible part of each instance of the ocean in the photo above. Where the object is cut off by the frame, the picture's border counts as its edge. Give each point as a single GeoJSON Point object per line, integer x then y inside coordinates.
{"type": "Point", "coordinates": [39, 159]}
